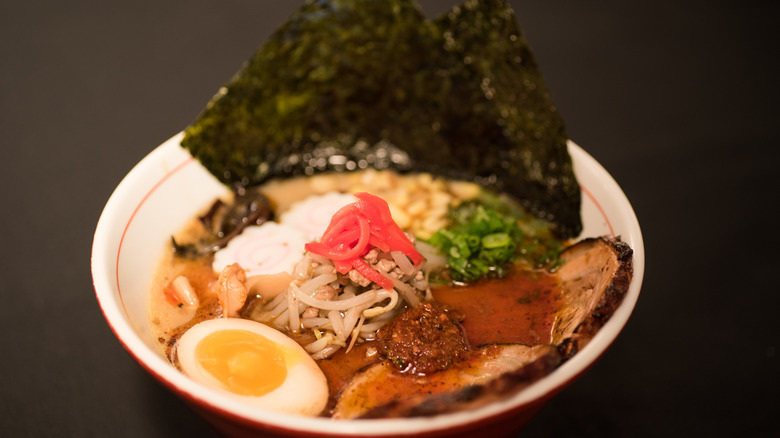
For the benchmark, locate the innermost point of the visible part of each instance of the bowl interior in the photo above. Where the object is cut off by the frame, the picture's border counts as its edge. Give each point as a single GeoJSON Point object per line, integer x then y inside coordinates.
{"type": "Point", "coordinates": [168, 187]}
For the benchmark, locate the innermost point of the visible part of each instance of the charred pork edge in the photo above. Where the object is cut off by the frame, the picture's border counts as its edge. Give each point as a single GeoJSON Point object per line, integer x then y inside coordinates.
{"type": "Point", "coordinates": [610, 300]}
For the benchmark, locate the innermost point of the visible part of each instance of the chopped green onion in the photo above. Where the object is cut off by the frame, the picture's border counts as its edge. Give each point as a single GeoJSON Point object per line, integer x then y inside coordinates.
{"type": "Point", "coordinates": [479, 244]}
{"type": "Point", "coordinates": [496, 240]}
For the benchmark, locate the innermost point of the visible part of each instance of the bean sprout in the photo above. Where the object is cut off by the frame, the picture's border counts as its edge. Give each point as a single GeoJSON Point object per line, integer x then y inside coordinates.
{"type": "Point", "coordinates": [340, 311]}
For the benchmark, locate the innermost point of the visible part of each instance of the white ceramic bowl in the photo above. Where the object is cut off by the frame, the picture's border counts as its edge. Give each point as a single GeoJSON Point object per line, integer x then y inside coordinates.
{"type": "Point", "coordinates": [168, 187]}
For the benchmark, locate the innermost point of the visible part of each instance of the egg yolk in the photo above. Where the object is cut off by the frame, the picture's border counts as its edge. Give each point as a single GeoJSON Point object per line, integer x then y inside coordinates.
{"type": "Point", "coordinates": [245, 362]}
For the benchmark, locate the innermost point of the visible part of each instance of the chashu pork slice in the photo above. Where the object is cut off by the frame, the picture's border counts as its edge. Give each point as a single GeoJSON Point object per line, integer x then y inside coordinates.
{"type": "Point", "coordinates": [595, 275]}
{"type": "Point", "coordinates": [380, 391]}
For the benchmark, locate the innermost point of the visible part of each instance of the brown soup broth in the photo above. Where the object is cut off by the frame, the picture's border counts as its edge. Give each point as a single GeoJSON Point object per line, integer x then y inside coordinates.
{"type": "Point", "coordinates": [517, 309]}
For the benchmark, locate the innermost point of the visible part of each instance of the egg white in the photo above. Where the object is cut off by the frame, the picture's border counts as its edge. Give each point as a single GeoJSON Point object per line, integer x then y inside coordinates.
{"type": "Point", "coordinates": [304, 391]}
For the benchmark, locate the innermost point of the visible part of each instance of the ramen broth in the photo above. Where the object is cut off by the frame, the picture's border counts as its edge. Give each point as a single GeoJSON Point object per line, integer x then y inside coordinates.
{"type": "Point", "coordinates": [518, 308]}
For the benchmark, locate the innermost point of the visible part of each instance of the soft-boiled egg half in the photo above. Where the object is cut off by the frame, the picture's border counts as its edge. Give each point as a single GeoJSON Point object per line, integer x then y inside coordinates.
{"type": "Point", "coordinates": [254, 363]}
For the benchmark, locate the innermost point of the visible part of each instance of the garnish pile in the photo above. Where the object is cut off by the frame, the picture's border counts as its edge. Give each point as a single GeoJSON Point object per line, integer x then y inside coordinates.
{"type": "Point", "coordinates": [358, 227]}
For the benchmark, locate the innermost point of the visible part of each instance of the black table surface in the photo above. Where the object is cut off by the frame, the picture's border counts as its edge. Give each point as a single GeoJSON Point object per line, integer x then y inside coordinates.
{"type": "Point", "coordinates": [677, 99]}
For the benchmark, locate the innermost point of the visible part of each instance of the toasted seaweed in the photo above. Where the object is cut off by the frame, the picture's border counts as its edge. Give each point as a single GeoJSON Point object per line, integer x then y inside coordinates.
{"type": "Point", "coordinates": [351, 84]}
{"type": "Point", "coordinates": [318, 94]}
{"type": "Point", "coordinates": [521, 145]}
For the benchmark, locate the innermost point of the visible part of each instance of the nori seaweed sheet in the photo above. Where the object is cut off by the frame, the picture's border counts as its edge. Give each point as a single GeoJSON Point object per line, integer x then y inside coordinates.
{"type": "Point", "coordinates": [523, 137]}
{"type": "Point", "coordinates": [350, 84]}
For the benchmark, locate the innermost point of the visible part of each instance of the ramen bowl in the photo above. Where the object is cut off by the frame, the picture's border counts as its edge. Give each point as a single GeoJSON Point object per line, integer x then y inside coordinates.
{"type": "Point", "coordinates": [169, 187]}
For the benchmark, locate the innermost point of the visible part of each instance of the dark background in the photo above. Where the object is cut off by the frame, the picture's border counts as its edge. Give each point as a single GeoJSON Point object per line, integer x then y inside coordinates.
{"type": "Point", "coordinates": [678, 101]}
